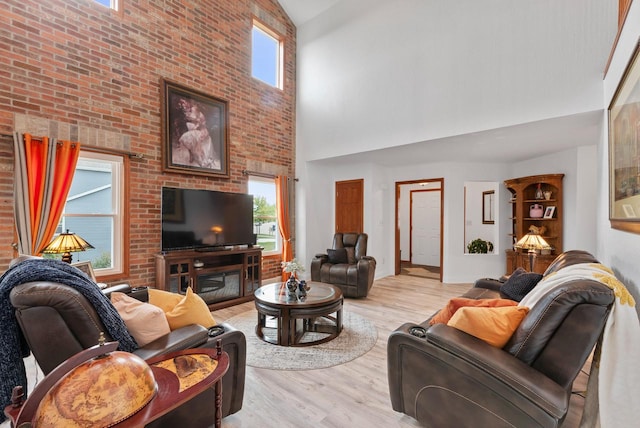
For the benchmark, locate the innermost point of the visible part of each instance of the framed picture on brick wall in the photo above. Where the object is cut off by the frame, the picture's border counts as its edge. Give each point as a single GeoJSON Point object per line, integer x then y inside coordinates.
{"type": "Point", "coordinates": [195, 138]}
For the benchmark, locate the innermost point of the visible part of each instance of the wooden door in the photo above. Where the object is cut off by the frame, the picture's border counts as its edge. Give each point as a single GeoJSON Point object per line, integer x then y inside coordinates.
{"type": "Point", "coordinates": [349, 206]}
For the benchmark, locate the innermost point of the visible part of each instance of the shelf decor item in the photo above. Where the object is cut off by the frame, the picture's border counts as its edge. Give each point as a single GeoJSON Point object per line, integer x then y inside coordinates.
{"type": "Point", "coordinates": [536, 211]}
{"type": "Point", "coordinates": [548, 212]}
{"type": "Point", "coordinates": [624, 148]}
{"type": "Point", "coordinates": [539, 194]}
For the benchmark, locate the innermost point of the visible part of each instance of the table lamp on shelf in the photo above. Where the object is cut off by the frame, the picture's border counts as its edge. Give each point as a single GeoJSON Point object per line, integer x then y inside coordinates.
{"type": "Point", "coordinates": [533, 243]}
{"type": "Point", "coordinates": [66, 243]}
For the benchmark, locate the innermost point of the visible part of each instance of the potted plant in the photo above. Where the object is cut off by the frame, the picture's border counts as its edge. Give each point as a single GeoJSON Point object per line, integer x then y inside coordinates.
{"type": "Point", "coordinates": [480, 246]}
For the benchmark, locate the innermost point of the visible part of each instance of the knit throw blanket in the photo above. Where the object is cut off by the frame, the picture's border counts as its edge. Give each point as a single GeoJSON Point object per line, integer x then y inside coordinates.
{"type": "Point", "coordinates": [614, 380]}
{"type": "Point", "coordinates": [13, 347]}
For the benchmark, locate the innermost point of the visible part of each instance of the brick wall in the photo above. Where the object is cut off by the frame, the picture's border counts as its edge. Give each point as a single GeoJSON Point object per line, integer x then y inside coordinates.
{"type": "Point", "coordinates": [77, 65]}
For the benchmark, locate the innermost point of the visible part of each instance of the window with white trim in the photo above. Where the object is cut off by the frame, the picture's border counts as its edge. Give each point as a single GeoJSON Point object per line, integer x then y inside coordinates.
{"type": "Point", "coordinates": [266, 55]}
{"type": "Point", "coordinates": [265, 214]}
{"type": "Point", "coordinates": [94, 210]}
{"type": "Point", "coordinates": [112, 4]}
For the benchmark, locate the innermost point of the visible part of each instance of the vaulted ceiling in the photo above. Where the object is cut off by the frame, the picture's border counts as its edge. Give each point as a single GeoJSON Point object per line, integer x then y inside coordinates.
{"type": "Point", "coordinates": [300, 11]}
{"type": "Point", "coordinates": [534, 139]}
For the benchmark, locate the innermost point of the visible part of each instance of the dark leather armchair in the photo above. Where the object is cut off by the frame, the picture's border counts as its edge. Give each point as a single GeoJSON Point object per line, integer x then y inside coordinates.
{"type": "Point", "coordinates": [57, 322]}
{"type": "Point", "coordinates": [444, 377]}
{"type": "Point", "coordinates": [353, 275]}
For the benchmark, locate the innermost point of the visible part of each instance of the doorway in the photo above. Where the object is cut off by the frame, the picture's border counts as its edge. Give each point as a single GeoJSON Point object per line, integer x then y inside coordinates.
{"type": "Point", "coordinates": [419, 228]}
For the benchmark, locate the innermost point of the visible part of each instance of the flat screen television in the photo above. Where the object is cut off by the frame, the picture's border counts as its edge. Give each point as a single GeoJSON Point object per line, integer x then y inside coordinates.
{"type": "Point", "coordinates": [205, 219]}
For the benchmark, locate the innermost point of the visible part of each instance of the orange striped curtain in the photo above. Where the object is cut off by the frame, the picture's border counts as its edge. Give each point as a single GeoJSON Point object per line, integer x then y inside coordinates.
{"type": "Point", "coordinates": [44, 170]}
{"type": "Point", "coordinates": [284, 219]}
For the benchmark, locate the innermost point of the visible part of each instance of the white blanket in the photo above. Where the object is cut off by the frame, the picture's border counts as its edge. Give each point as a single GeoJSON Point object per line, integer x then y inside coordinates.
{"type": "Point", "coordinates": [614, 381]}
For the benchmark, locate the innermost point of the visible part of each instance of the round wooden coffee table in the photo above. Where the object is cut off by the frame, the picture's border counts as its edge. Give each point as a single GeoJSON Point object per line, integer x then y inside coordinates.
{"type": "Point", "coordinates": [292, 318]}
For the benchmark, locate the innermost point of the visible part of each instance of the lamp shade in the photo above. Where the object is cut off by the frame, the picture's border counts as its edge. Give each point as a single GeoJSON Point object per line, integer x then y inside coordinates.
{"type": "Point", "coordinates": [532, 242]}
{"type": "Point", "coordinates": [66, 243]}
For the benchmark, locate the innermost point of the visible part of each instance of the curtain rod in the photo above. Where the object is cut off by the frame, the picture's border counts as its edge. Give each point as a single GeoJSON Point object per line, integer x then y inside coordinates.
{"type": "Point", "coordinates": [261, 174]}
{"type": "Point", "coordinates": [105, 150]}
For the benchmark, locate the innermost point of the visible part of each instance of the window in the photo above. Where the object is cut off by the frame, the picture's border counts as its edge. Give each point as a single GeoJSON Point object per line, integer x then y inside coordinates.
{"type": "Point", "coordinates": [265, 217]}
{"type": "Point", "coordinates": [112, 4]}
{"type": "Point", "coordinates": [94, 210]}
{"type": "Point", "coordinates": [266, 55]}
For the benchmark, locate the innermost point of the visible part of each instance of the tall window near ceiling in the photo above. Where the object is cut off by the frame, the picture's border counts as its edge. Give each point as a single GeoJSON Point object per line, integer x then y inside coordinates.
{"type": "Point", "coordinates": [94, 210]}
{"type": "Point", "coordinates": [265, 218]}
{"type": "Point", "coordinates": [266, 55]}
{"type": "Point", "coordinates": [113, 4]}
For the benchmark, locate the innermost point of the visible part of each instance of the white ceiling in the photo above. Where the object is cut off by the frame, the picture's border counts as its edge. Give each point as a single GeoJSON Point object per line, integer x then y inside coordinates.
{"type": "Point", "coordinates": [300, 11]}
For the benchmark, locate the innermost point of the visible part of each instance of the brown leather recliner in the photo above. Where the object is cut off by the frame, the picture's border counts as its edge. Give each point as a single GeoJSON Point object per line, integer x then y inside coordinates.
{"type": "Point", "coordinates": [58, 322]}
{"type": "Point", "coordinates": [444, 377]}
{"type": "Point", "coordinates": [354, 275]}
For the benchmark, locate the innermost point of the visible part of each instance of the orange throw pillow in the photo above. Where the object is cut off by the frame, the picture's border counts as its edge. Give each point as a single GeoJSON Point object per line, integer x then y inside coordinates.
{"type": "Point", "coordinates": [456, 303]}
{"type": "Point", "coordinates": [493, 325]}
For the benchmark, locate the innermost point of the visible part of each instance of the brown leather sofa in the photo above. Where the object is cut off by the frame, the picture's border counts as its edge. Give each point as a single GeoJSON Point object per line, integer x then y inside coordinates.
{"type": "Point", "coordinates": [355, 276]}
{"type": "Point", "coordinates": [444, 377]}
{"type": "Point", "coordinates": [58, 322]}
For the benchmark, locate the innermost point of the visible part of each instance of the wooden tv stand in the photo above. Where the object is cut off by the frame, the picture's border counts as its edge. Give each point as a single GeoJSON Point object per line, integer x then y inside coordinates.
{"type": "Point", "coordinates": [222, 278]}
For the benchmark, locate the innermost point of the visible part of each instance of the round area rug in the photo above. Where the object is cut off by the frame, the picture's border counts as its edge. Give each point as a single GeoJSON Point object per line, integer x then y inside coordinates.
{"type": "Point", "coordinates": [357, 337]}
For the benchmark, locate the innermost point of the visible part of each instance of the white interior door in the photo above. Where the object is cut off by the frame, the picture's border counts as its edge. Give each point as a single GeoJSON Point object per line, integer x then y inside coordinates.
{"type": "Point", "coordinates": [425, 228]}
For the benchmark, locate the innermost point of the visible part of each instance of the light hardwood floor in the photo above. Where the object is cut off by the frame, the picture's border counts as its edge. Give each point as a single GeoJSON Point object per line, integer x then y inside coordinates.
{"type": "Point", "coordinates": [354, 394]}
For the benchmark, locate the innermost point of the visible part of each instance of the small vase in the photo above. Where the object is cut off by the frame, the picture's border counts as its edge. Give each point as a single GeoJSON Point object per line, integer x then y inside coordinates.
{"type": "Point", "coordinates": [302, 288]}
{"type": "Point", "coordinates": [539, 192]}
{"type": "Point", "coordinates": [292, 285]}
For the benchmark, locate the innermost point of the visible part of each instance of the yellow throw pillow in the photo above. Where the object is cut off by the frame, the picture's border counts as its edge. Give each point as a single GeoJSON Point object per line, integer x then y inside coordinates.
{"type": "Point", "coordinates": [145, 322]}
{"type": "Point", "coordinates": [493, 325]}
{"type": "Point", "coordinates": [456, 303]}
{"type": "Point", "coordinates": [190, 310]}
{"type": "Point", "coordinates": [165, 300]}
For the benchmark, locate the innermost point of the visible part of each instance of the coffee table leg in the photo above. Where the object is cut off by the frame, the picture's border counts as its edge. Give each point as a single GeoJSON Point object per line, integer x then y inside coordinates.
{"type": "Point", "coordinates": [262, 320]}
{"type": "Point", "coordinates": [339, 320]}
{"type": "Point", "coordinates": [284, 327]}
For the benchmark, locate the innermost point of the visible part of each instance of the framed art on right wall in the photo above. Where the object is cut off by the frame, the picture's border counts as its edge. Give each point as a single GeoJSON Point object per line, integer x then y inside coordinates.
{"type": "Point", "coordinates": [624, 150]}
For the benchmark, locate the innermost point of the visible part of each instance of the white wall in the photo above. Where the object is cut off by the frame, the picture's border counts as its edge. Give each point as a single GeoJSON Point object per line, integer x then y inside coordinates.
{"type": "Point", "coordinates": [380, 73]}
{"type": "Point", "coordinates": [315, 209]}
{"type": "Point", "coordinates": [473, 216]}
{"type": "Point", "coordinates": [616, 248]}
{"type": "Point", "coordinates": [316, 229]}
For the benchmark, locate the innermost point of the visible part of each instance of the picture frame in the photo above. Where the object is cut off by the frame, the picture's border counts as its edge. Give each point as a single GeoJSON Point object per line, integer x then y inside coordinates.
{"type": "Point", "coordinates": [195, 137]}
{"type": "Point", "coordinates": [488, 207]}
{"type": "Point", "coordinates": [624, 149]}
{"type": "Point", "coordinates": [549, 211]}
{"type": "Point", "coordinates": [87, 268]}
